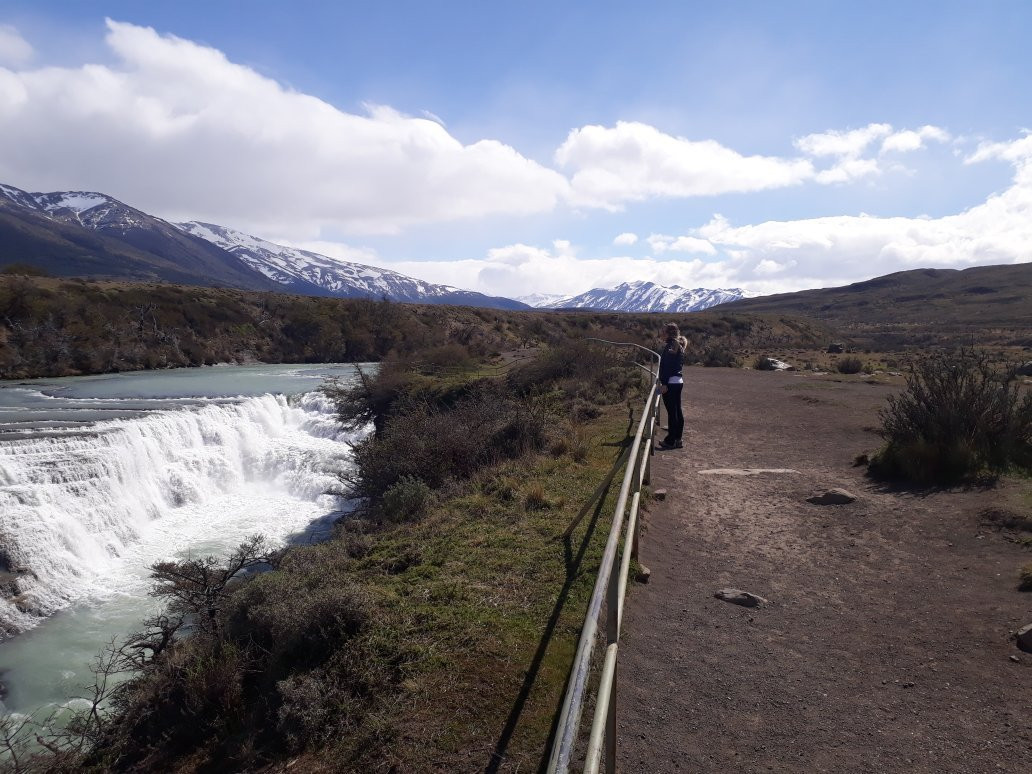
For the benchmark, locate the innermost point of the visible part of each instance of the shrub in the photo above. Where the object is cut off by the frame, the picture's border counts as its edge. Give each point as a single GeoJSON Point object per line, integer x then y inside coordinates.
{"type": "Point", "coordinates": [536, 499]}
{"type": "Point", "coordinates": [25, 270]}
{"type": "Point", "coordinates": [719, 357]}
{"type": "Point", "coordinates": [406, 500]}
{"type": "Point", "coordinates": [1025, 578]}
{"type": "Point", "coordinates": [580, 369]}
{"type": "Point", "coordinates": [439, 443]}
{"type": "Point", "coordinates": [850, 365]}
{"type": "Point", "coordinates": [582, 409]}
{"type": "Point", "coordinates": [957, 418]}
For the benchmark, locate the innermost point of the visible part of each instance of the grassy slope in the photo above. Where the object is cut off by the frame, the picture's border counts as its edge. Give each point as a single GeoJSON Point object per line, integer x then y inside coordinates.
{"type": "Point", "coordinates": [498, 597]}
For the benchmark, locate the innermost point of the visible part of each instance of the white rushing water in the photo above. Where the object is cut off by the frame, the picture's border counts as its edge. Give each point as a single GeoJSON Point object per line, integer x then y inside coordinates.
{"type": "Point", "coordinates": [86, 508]}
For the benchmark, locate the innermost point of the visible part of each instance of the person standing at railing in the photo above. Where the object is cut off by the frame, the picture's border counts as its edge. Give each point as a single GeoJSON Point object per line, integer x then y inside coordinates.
{"type": "Point", "coordinates": [671, 382]}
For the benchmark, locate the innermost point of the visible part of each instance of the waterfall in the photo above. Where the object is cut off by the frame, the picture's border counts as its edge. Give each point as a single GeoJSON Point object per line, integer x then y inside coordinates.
{"type": "Point", "coordinates": [77, 507]}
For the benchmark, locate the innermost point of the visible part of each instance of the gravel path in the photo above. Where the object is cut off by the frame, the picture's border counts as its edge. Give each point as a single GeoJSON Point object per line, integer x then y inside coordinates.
{"type": "Point", "coordinates": [886, 645]}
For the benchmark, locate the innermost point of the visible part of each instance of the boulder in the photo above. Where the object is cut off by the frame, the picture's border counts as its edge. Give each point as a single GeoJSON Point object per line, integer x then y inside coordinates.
{"type": "Point", "coordinates": [739, 597]}
{"type": "Point", "coordinates": [832, 497]}
{"type": "Point", "coordinates": [1024, 638]}
{"type": "Point", "coordinates": [836, 348]}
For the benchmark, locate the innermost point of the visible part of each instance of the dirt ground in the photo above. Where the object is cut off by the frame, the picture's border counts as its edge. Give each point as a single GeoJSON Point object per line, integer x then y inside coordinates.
{"type": "Point", "coordinates": [887, 645]}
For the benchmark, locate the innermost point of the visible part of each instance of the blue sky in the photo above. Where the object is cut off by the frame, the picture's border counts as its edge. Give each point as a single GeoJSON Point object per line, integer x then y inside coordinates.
{"type": "Point", "coordinates": [772, 146]}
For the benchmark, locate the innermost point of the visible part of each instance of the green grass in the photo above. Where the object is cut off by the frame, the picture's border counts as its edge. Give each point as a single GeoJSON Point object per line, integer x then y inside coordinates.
{"type": "Point", "coordinates": [492, 577]}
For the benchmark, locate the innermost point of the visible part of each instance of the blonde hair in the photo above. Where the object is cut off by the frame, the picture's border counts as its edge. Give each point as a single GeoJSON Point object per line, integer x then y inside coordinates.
{"type": "Point", "coordinates": [673, 332]}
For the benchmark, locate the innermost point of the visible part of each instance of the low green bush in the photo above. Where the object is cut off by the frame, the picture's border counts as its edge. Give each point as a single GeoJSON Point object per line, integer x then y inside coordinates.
{"type": "Point", "coordinates": [405, 500]}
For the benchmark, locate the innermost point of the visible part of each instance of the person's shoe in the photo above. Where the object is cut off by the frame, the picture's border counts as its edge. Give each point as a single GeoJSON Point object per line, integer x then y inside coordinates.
{"type": "Point", "coordinates": [678, 445]}
{"type": "Point", "coordinates": [664, 445]}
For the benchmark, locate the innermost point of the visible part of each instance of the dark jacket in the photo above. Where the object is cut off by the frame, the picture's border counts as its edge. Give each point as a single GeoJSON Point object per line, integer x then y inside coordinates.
{"type": "Point", "coordinates": [671, 359]}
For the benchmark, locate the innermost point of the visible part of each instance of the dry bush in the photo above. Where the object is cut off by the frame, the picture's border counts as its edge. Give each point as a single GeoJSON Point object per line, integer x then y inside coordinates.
{"type": "Point", "coordinates": [719, 357]}
{"type": "Point", "coordinates": [850, 365]}
{"type": "Point", "coordinates": [958, 417]}
{"type": "Point", "coordinates": [536, 499]}
{"type": "Point", "coordinates": [1025, 578]}
{"type": "Point", "coordinates": [435, 444]}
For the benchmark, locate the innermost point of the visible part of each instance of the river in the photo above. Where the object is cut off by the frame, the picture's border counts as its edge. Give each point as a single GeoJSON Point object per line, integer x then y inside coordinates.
{"type": "Point", "coordinates": [101, 476]}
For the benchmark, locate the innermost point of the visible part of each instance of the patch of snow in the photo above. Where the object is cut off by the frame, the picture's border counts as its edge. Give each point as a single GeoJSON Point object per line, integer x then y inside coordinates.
{"type": "Point", "coordinates": [76, 201]}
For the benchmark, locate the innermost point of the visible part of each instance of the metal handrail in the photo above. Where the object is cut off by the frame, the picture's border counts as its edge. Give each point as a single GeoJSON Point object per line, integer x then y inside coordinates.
{"type": "Point", "coordinates": [612, 587]}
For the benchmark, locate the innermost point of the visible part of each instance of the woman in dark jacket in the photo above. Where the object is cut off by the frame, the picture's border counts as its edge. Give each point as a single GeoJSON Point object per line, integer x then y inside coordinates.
{"type": "Point", "coordinates": [671, 360]}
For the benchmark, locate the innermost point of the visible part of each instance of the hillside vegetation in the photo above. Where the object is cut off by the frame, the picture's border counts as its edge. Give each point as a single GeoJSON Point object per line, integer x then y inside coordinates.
{"type": "Point", "coordinates": [433, 632]}
{"type": "Point", "coordinates": [981, 306]}
{"type": "Point", "coordinates": [59, 327]}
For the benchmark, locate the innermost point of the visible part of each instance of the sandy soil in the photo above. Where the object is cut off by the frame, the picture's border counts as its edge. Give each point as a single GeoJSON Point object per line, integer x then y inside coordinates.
{"type": "Point", "coordinates": [887, 643]}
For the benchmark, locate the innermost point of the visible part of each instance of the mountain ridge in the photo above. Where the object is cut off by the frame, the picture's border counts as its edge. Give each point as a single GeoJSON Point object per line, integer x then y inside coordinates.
{"type": "Point", "coordinates": [91, 234]}
{"type": "Point", "coordinates": [642, 296]}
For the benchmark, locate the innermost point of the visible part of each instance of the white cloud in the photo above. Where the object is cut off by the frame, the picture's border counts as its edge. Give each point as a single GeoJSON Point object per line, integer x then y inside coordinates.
{"type": "Point", "coordinates": [1017, 151]}
{"type": "Point", "coordinates": [625, 239]}
{"type": "Point", "coordinates": [777, 256]}
{"type": "Point", "coordinates": [522, 269]}
{"type": "Point", "coordinates": [910, 140]}
{"type": "Point", "coordinates": [633, 161]}
{"type": "Point", "coordinates": [847, 149]}
{"type": "Point", "coordinates": [179, 130]}
{"type": "Point", "coordinates": [840, 249]}
{"type": "Point", "coordinates": [661, 243]}
{"type": "Point", "coordinates": [850, 143]}
{"type": "Point", "coordinates": [14, 49]}
{"type": "Point", "coordinates": [847, 170]}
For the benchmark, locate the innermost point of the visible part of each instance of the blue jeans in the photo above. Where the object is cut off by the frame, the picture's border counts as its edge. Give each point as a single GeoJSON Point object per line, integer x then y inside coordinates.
{"type": "Point", "coordinates": [675, 417]}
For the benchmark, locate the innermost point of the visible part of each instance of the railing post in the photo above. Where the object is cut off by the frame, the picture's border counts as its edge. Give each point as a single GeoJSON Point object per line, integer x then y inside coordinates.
{"type": "Point", "coordinates": [611, 725]}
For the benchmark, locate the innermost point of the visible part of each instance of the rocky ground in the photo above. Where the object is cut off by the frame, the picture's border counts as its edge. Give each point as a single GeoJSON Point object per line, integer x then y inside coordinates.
{"type": "Point", "coordinates": [887, 640]}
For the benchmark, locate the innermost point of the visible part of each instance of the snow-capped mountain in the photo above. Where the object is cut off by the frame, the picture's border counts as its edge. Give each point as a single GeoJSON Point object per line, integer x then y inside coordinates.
{"type": "Point", "coordinates": [85, 233]}
{"type": "Point", "coordinates": [289, 266]}
{"type": "Point", "coordinates": [49, 230]}
{"type": "Point", "coordinates": [644, 296]}
{"type": "Point", "coordinates": [88, 209]}
{"type": "Point", "coordinates": [542, 300]}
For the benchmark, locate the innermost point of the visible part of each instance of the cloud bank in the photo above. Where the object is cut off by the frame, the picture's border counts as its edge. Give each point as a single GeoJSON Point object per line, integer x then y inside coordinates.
{"type": "Point", "coordinates": [777, 256]}
{"type": "Point", "coordinates": [178, 129]}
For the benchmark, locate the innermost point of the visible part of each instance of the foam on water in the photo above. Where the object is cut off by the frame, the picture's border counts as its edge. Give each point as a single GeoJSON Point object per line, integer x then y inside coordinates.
{"type": "Point", "coordinates": [74, 508]}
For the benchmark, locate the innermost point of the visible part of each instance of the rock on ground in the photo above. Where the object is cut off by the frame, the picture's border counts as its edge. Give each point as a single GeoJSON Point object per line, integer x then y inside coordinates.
{"type": "Point", "coordinates": [832, 497]}
{"type": "Point", "coordinates": [739, 597]}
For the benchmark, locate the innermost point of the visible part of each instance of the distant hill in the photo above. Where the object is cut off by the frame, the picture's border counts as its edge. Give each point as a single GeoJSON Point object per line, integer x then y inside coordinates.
{"type": "Point", "coordinates": [973, 305]}
{"type": "Point", "coordinates": [639, 296]}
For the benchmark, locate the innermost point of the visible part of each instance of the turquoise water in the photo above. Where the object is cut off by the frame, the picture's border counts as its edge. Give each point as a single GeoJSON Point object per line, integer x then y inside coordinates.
{"type": "Point", "coordinates": [101, 476]}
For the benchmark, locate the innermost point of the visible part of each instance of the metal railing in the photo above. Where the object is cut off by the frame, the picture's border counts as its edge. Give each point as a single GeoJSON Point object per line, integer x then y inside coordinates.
{"type": "Point", "coordinates": [611, 586]}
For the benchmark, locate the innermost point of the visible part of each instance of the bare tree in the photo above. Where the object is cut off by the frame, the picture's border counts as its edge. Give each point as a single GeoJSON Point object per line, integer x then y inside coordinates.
{"type": "Point", "coordinates": [197, 588]}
